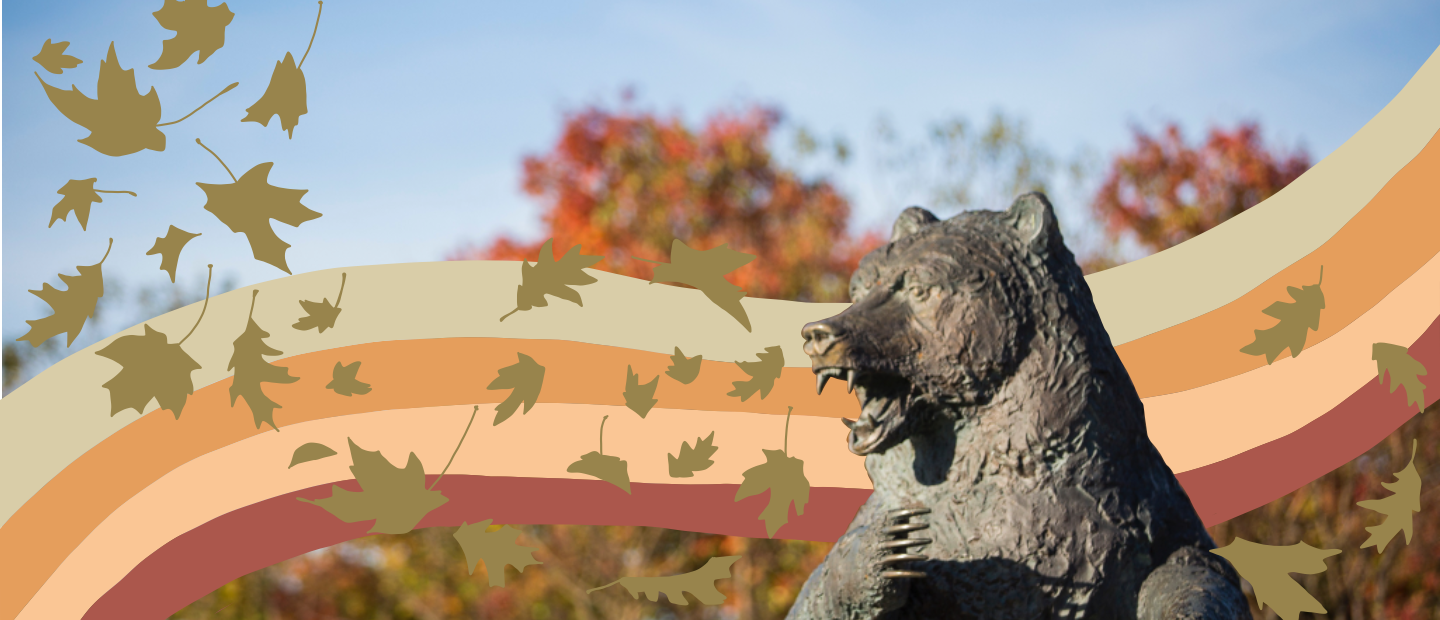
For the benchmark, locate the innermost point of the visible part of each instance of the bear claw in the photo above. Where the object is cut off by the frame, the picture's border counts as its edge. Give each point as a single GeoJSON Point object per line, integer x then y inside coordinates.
{"type": "Point", "coordinates": [902, 528]}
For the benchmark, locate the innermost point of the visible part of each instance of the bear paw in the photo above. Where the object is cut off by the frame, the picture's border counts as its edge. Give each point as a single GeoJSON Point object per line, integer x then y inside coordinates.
{"type": "Point", "coordinates": [898, 533]}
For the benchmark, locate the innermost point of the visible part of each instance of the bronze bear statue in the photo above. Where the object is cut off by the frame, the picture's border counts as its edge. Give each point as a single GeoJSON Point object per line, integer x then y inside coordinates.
{"type": "Point", "coordinates": [998, 422]}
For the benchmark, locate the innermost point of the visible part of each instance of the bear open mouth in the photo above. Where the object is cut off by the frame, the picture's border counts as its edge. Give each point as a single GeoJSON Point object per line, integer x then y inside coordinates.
{"type": "Point", "coordinates": [883, 400]}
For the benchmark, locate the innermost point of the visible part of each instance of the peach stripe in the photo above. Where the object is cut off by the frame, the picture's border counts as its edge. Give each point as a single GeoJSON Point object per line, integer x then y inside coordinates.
{"type": "Point", "coordinates": [521, 447]}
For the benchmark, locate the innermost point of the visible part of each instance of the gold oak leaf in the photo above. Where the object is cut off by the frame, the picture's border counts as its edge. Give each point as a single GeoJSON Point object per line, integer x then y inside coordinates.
{"type": "Point", "coordinates": [608, 468]}
{"type": "Point", "coordinates": [251, 370]}
{"type": "Point", "coordinates": [198, 28]}
{"type": "Point", "coordinates": [310, 452]}
{"type": "Point", "coordinates": [344, 383]}
{"type": "Point", "coordinates": [152, 368]}
{"type": "Point", "coordinates": [706, 271]}
{"type": "Point", "coordinates": [639, 398]}
{"type": "Point", "coordinates": [1295, 320]}
{"type": "Point", "coordinates": [700, 583]}
{"type": "Point", "coordinates": [763, 373]}
{"type": "Point", "coordinates": [248, 205]}
{"type": "Point", "coordinates": [169, 246]}
{"type": "Point", "coordinates": [784, 477]}
{"type": "Point", "coordinates": [495, 548]}
{"type": "Point", "coordinates": [694, 459]}
{"type": "Point", "coordinates": [1397, 508]}
{"type": "Point", "coordinates": [78, 194]}
{"type": "Point", "coordinates": [1404, 370]}
{"type": "Point", "coordinates": [525, 378]}
{"type": "Point", "coordinates": [684, 369]}
{"type": "Point", "coordinates": [396, 499]}
{"type": "Point", "coordinates": [72, 306]}
{"type": "Point", "coordinates": [322, 314]}
{"type": "Point", "coordinates": [1268, 569]}
{"type": "Point", "coordinates": [52, 57]}
{"type": "Point", "coordinates": [285, 96]}
{"type": "Point", "coordinates": [120, 120]}
{"type": "Point", "coordinates": [552, 277]}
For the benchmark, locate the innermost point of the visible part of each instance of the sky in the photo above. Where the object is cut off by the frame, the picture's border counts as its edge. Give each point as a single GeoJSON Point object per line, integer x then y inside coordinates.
{"type": "Point", "coordinates": [420, 113]}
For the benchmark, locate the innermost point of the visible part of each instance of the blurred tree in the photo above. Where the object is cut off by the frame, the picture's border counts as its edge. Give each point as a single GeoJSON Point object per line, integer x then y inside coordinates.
{"type": "Point", "coordinates": [626, 184]}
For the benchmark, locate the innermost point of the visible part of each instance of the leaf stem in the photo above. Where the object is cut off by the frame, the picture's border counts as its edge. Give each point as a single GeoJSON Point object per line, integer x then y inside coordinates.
{"type": "Point", "coordinates": [786, 447]}
{"type": "Point", "coordinates": [312, 35]}
{"type": "Point", "coordinates": [207, 305]}
{"type": "Point", "coordinates": [111, 191]}
{"type": "Point", "coordinates": [192, 113]}
{"type": "Point", "coordinates": [342, 292]}
{"type": "Point", "coordinates": [647, 260]}
{"type": "Point", "coordinates": [252, 304]}
{"type": "Point", "coordinates": [107, 252]}
{"type": "Point", "coordinates": [1322, 276]}
{"type": "Point", "coordinates": [605, 586]}
{"type": "Point", "coordinates": [457, 448]}
{"type": "Point", "coordinates": [502, 319]}
{"type": "Point", "coordinates": [602, 434]}
{"type": "Point", "coordinates": [217, 158]}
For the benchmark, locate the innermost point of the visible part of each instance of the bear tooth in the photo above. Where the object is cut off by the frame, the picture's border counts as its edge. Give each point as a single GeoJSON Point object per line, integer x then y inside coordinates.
{"type": "Point", "coordinates": [850, 380]}
{"type": "Point", "coordinates": [820, 383]}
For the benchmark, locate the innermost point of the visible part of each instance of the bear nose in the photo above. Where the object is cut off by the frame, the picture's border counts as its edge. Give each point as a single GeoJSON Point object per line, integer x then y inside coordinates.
{"type": "Point", "coordinates": [818, 337]}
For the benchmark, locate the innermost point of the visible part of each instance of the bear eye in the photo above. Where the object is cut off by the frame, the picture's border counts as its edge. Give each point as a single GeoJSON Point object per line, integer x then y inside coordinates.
{"type": "Point", "coordinates": [919, 292]}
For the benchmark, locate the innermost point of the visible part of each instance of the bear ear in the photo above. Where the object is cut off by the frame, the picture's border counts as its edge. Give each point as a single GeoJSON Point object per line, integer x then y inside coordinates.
{"type": "Point", "coordinates": [911, 220]}
{"type": "Point", "coordinates": [1034, 220]}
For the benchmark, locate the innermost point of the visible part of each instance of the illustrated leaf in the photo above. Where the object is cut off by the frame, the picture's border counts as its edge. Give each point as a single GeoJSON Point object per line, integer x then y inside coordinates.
{"type": "Point", "coordinates": [608, 468]}
{"type": "Point", "coordinates": [763, 373]}
{"type": "Point", "coordinates": [784, 477]}
{"type": "Point", "coordinates": [78, 194]}
{"type": "Point", "coordinates": [310, 452]}
{"type": "Point", "coordinates": [639, 398]}
{"type": "Point", "coordinates": [285, 96]}
{"type": "Point", "coordinates": [344, 383]}
{"type": "Point", "coordinates": [248, 205]}
{"type": "Point", "coordinates": [198, 28]}
{"type": "Point", "coordinates": [551, 277]}
{"type": "Point", "coordinates": [72, 306]}
{"type": "Point", "coordinates": [694, 459]}
{"type": "Point", "coordinates": [495, 548]}
{"type": "Point", "coordinates": [1295, 320]}
{"type": "Point", "coordinates": [322, 314]}
{"type": "Point", "coordinates": [52, 57]}
{"type": "Point", "coordinates": [1397, 508]}
{"type": "Point", "coordinates": [525, 378]}
{"type": "Point", "coordinates": [682, 369]}
{"type": "Point", "coordinates": [1268, 569]}
{"type": "Point", "coordinates": [700, 583]}
{"type": "Point", "coordinates": [705, 270]}
{"type": "Point", "coordinates": [151, 368]}
{"type": "Point", "coordinates": [396, 499]}
{"type": "Point", "coordinates": [1404, 370]}
{"type": "Point", "coordinates": [169, 246]}
{"type": "Point", "coordinates": [251, 370]}
{"type": "Point", "coordinates": [121, 121]}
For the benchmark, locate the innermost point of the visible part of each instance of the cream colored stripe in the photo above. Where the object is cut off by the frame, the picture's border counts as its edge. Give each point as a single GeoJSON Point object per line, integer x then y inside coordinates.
{"type": "Point", "coordinates": [542, 443]}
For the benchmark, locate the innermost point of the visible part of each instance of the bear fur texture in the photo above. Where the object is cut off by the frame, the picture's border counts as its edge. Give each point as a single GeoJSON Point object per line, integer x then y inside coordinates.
{"type": "Point", "coordinates": [1001, 430]}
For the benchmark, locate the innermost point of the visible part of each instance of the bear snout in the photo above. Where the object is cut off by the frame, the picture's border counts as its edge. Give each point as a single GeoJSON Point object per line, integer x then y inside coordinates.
{"type": "Point", "coordinates": [819, 337]}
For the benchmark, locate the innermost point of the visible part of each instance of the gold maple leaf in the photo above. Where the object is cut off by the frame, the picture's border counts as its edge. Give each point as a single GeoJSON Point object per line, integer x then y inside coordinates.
{"type": "Point", "coordinates": [1268, 569]}
{"type": "Point", "coordinates": [152, 368]}
{"type": "Point", "coordinates": [552, 277]}
{"type": "Point", "coordinates": [396, 499]}
{"type": "Point", "coordinates": [52, 57]}
{"type": "Point", "coordinates": [700, 583]}
{"type": "Point", "coordinates": [784, 477]}
{"type": "Point", "coordinates": [285, 96]}
{"type": "Point", "coordinates": [1295, 320]}
{"type": "Point", "coordinates": [495, 548]}
{"type": "Point", "coordinates": [248, 205]}
{"type": "Point", "coordinates": [72, 306]}
{"type": "Point", "coordinates": [251, 370]}
{"type": "Point", "coordinates": [78, 195]}
{"type": "Point", "coordinates": [694, 459]}
{"type": "Point", "coordinates": [1398, 509]}
{"type": "Point", "coordinates": [1404, 370]}
{"type": "Point", "coordinates": [525, 378]}
{"type": "Point", "coordinates": [605, 467]}
{"type": "Point", "coordinates": [706, 271]}
{"type": "Point", "coordinates": [684, 369]}
{"type": "Point", "coordinates": [198, 28]}
{"type": "Point", "coordinates": [639, 398]}
{"type": "Point", "coordinates": [169, 246]}
{"type": "Point", "coordinates": [343, 380]}
{"type": "Point", "coordinates": [322, 314]}
{"type": "Point", "coordinates": [310, 452]}
{"type": "Point", "coordinates": [763, 374]}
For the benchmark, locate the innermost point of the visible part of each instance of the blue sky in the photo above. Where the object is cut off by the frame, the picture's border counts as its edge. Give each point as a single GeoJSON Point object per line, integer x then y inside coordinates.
{"type": "Point", "coordinates": [420, 113]}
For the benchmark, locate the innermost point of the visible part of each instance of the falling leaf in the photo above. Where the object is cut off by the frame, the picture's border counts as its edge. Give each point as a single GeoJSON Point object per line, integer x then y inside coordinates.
{"type": "Point", "coordinates": [198, 27]}
{"type": "Point", "coordinates": [52, 57]}
{"type": "Point", "coordinates": [1295, 319]}
{"type": "Point", "coordinates": [525, 378]}
{"type": "Point", "coordinates": [248, 205]}
{"type": "Point", "coordinates": [694, 459]}
{"type": "Point", "coordinates": [152, 368]}
{"type": "Point", "coordinates": [72, 306]}
{"type": "Point", "coordinates": [1397, 508]}
{"type": "Point", "coordinates": [396, 499]}
{"type": "Point", "coordinates": [705, 270]}
{"type": "Point", "coordinates": [322, 314]}
{"type": "Point", "coordinates": [1268, 569]}
{"type": "Point", "coordinates": [120, 120]}
{"type": "Point", "coordinates": [608, 468]}
{"type": "Point", "coordinates": [311, 452]}
{"type": "Point", "coordinates": [682, 369]}
{"type": "Point", "coordinates": [552, 277]}
{"type": "Point", "coordinates": [700, 583]}
{"type": "Point", "coordinates": [169, 246]}
{"type": "Point", "coordinates": [1404, 370]}
{"type": "Point", "coordinates": [344, 383]}
{"type": "Point", "coordinates": [639, 398]}
{"type": "Point", "coordinates": [78, 195]}
{"type": "Point", "coordinates": [251, 370]}
{"type": "Point", "coordinates": [495, 548]}
{"type": "Point", "coordinates": [285, 96]}
{"type": "Point", "coordinates": [763, 373]}
{"type": "Point", "coordinates": [784, 477]}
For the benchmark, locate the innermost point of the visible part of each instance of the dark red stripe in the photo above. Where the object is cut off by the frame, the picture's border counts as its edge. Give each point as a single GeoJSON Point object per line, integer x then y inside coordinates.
{"type": "Point", "coordinates": [263, 534]}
